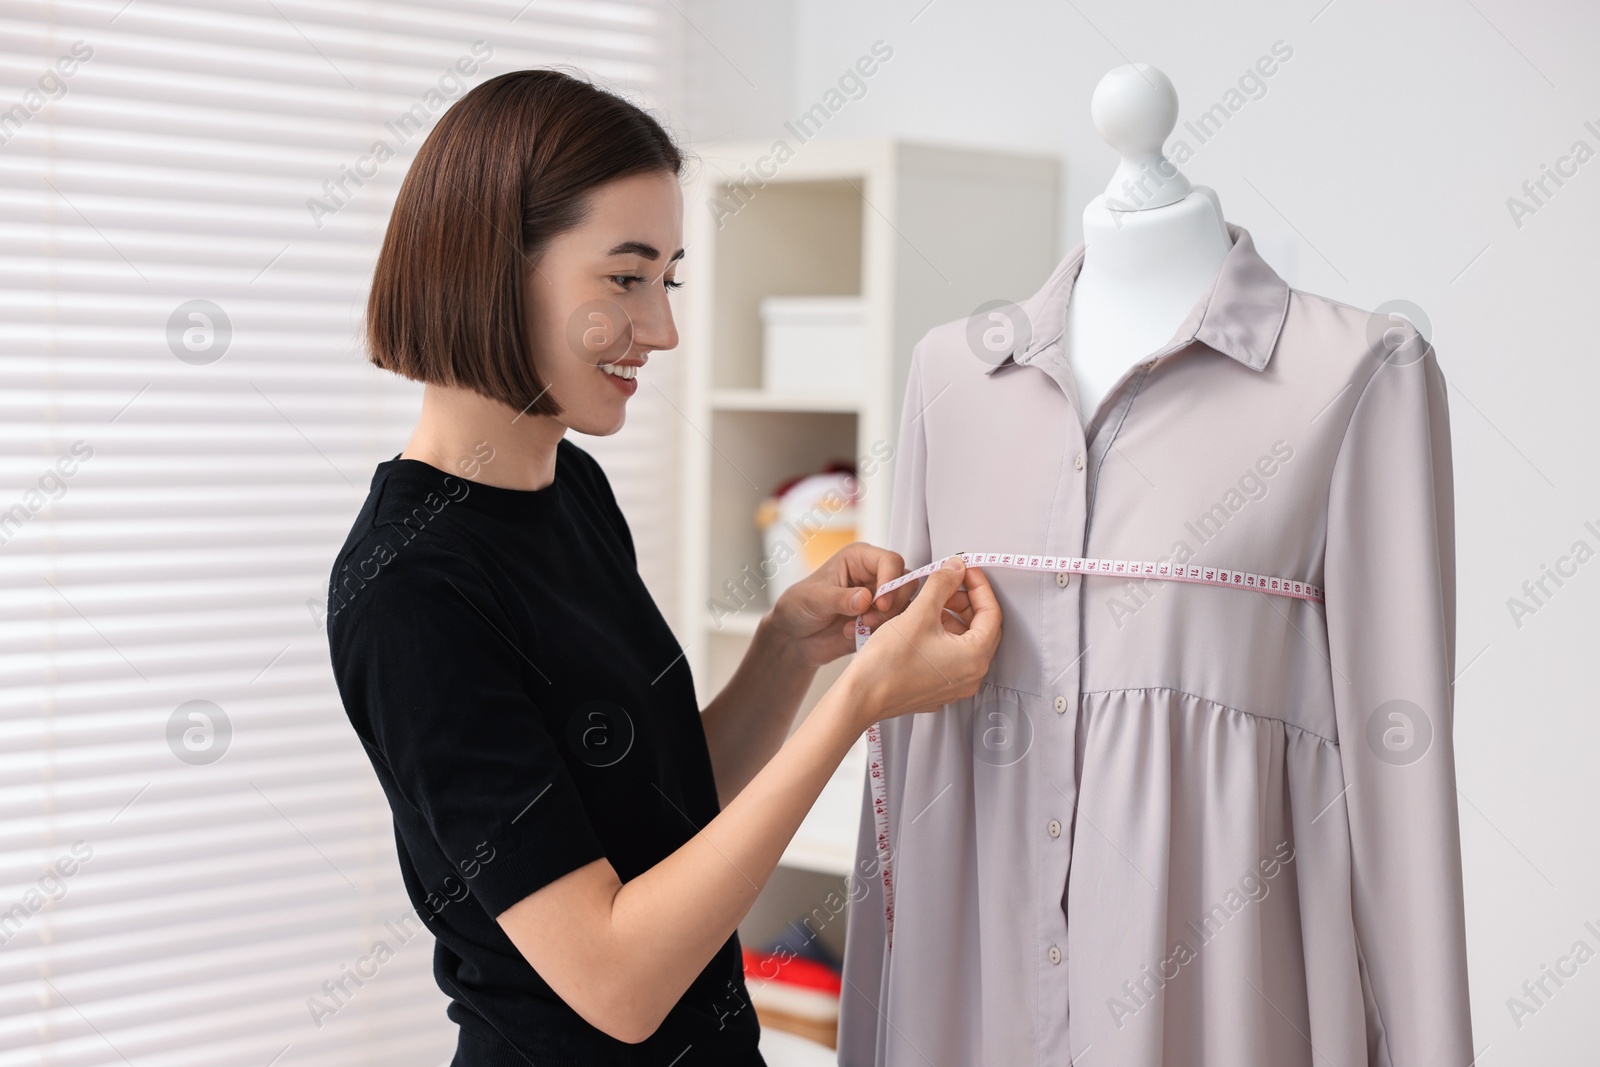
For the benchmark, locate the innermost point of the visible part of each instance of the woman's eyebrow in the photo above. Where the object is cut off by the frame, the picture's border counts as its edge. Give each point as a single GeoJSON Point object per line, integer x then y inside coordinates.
{"type": "Point", "coordinates": [639, 248]}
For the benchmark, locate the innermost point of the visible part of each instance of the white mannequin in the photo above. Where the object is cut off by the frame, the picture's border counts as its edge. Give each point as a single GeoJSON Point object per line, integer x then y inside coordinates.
{"type": "Point", "coordinates": [1153, 244]}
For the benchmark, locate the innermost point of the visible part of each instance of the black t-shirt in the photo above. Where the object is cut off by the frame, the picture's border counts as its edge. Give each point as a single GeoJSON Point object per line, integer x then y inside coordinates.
{"type": "Point", "coordinates": [527, 711]}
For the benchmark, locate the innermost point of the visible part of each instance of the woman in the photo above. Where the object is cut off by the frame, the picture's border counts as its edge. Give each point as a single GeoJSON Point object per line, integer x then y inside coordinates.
{"type": "Point", "coordinates": [579, 836]}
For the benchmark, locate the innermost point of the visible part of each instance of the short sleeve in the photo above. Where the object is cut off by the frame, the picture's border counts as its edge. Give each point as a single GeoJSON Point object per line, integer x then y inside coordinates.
{"type": "Point", "coordinates": [432, 675]}
{"type": "Point", "coordinates": [1390, 575]}
{"type": "Point", "coordinates": [866, 942]}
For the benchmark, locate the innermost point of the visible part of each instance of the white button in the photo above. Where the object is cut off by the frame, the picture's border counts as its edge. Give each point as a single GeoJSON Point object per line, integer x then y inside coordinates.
{"type": "Point", "coordinates": [1078, 463]}
{"type": "Point", "coordinates": [1055, 827]}
{"type": "Point", "coordinates": [1061, 703]}
{"type": "Point", "coordinates": [1055, 954]}
{"type": "Point", "coordinates": [1062, 577]}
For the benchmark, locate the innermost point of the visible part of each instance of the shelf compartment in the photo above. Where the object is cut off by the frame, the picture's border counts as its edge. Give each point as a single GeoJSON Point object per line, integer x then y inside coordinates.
{"type": "Point", "coordinates": [789, 239]}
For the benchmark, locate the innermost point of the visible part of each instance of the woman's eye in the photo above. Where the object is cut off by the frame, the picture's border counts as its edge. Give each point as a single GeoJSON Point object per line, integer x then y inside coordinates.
{"type": "Point", "coordinates": [624, 281]}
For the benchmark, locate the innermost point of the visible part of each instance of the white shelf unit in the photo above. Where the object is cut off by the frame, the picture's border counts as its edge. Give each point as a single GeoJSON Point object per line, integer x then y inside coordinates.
{"type": "Point", "coordinates": [923, 234]}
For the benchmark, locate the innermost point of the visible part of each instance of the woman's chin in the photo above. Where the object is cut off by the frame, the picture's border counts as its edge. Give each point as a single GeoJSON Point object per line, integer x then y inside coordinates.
{"type": "Point", "coordinates": [602, 420]}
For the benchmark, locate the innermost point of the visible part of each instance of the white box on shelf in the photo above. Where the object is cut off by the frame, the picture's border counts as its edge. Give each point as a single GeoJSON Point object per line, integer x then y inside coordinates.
{"type": "Point", "coordinates": [813, 344]}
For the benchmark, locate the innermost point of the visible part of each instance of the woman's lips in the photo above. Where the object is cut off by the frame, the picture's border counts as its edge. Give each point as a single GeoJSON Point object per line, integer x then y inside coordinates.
{"type": "Point", "coordinates": [629, 386]}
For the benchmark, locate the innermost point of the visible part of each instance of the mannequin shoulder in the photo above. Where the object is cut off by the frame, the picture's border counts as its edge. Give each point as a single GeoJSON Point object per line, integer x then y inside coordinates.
{"type": "Point", "coordinates": [1345, 344]}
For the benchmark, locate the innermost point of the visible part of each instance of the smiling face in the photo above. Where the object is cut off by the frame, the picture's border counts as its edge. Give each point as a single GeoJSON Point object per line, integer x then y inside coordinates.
{"type": "Point", "coordinates": [597, 299]}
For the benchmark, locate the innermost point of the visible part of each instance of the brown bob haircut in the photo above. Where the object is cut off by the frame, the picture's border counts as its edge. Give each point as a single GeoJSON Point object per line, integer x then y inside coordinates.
{"type": "Point", "coordinates": [508, 167]}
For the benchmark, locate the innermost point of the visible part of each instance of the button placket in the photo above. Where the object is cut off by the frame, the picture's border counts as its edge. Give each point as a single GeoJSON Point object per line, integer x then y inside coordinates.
{"type": "Point", "coordinates": [1105, 428]}
{"type": "Point", "coordinates": [1063, 688]}
{"type": "Point", "coordinates": [1055, 775]}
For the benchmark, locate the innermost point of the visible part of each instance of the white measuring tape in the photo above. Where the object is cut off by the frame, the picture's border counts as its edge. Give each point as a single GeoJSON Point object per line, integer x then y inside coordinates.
{"type": "Point", "coordinates": [1120, 568]}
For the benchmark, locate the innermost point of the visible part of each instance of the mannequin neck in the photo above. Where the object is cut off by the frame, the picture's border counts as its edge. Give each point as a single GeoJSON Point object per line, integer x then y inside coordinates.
{"type": "Point", "coordinates": [1142, 273]}
{"type": "Point", "coordinates": [1146, 248]}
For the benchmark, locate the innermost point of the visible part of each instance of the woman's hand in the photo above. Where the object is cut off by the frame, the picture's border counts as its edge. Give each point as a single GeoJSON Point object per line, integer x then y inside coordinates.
{"type": "Point", "coordinates": [818, 613]}
{"type": "Point", "coordinates": [935, 651]}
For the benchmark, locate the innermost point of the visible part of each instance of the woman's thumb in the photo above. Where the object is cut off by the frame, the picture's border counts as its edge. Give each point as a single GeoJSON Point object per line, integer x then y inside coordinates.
{"type": "Point", "coordinates": [940, 586]}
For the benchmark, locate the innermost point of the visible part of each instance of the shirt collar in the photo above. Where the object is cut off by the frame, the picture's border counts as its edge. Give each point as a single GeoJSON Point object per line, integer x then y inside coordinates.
{"type": "Point", "coordinates": [1240, 317]}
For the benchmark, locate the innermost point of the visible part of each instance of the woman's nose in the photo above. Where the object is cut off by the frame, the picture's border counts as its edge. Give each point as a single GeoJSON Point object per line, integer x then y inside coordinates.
{"type": "Point", "coordinates": [653, 326]}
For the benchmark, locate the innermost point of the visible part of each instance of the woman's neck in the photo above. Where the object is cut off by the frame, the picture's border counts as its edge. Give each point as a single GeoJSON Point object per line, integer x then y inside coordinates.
{"type": "Point", "coordinates": [464, 433]}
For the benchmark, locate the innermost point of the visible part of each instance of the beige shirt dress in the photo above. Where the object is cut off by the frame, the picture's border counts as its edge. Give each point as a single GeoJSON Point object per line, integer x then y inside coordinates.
{"type": "Point", "coordinates": [1178, 825]}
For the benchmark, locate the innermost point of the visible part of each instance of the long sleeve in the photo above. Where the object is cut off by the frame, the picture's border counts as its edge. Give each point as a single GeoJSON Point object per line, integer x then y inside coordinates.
{"type": "Point", "coordinates": [1390, 577]}
{"type": "Point", "coordinates": [865, 957]}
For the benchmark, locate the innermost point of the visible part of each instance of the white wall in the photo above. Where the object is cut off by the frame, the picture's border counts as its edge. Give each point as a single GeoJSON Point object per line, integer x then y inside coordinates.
{"type": "Point", "coordinates": [738, 67]}
{"type": "Point", "coordinates": [1377, 165]}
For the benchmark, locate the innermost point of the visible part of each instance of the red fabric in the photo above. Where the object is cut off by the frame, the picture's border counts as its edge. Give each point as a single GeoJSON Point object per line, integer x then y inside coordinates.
{"type": "Point", "coordinates": [791, 970]}
{"type": "Point", "coordinates": [836, 467]}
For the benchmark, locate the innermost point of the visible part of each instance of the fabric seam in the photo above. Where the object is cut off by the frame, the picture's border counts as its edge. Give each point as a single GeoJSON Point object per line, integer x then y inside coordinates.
{"type": "Point", "coordinates": [1366, 971]}
{"type": "Point", "coordinates": [1344, 437]}
{"type": "Point", "coordinates": [1212, 701]}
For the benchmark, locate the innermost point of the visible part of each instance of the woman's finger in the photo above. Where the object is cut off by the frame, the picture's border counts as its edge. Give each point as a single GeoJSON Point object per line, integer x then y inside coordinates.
{"type": "Point", "coordinates": [892, 566]}
{"type": "Point", "coordinates": [849, 600]}
{"type": "Point", "coordinates": [985, 627]}
{"type": "Point", "coordinates": [870, 567]}
{"type": "Point", "coordinates": [938, 587]}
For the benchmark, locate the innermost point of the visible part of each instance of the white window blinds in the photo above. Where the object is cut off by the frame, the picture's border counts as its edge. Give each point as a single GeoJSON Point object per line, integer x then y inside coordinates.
{"type": "Point", "coordinates": [196, 862]}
